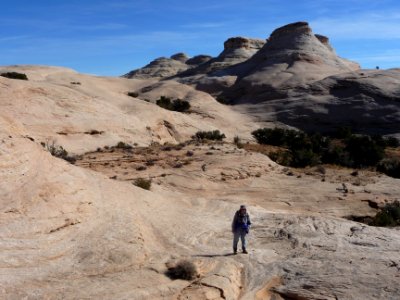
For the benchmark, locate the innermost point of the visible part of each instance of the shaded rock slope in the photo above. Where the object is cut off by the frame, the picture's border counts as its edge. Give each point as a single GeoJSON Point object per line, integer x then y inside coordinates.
{"type": "Point", "coordinates": [295, 78]}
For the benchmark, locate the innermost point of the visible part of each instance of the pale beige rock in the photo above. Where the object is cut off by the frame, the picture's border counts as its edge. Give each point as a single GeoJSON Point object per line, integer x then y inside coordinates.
{"type": "Point", "coordinates": [70, 232]}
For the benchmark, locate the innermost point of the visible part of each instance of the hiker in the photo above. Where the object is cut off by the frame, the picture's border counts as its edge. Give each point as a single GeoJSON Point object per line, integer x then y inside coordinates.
{"type": "Point", "coordinates": [240, 227]}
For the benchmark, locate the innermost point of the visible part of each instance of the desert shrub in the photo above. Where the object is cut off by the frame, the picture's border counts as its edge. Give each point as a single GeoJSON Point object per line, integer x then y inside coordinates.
{"type": "Point", "coordinates": [389, 216]}
{"type": "Point", "coordinates": [342, 132]}
{"type": "Point", "coordinates": [238, 142]}
{"type": "Point", "coordinates": [281, 157]}
{"type": "Point", "coordinates": [392, 142]}
{"type": "Point", "coordinates": [363, 151]}
{"type": "Point", "coordinates": [304, 157]}
{"type": "Point", "coordinates": [122, 145]}
{"type": "Point", "coordinates": [308, 150]}
{"type": "Point", "coordinates": [164, 102]}
{"type": "Point", "coordinates": [319, 143]}
{"type": "Point", "coordinates": [59, 151]}
{"type": "Point", "coordinates": [335, 154]}
{"type": "Point", "coordinates": [15, 75]}
{"type": "Point", "coordinates": [268, 136]}
{"type": "Point", "coordinates": [94, 132]}
{"type": "Point", "coordinates": [143, 183]}
{"type": "Point", "coordinates": [210, 135]}
{"type": "Point", "coordinates": [175, 105]}
{"type": "Point", "coordinates": [75, 82]}
{"type": "Point", "coordinates": [180, 105]}
{"type": "Point", "coordinates": [184, 269]}
{"type": "Point", "coordinates": [321, 169]}
{"type": "Point", "coordinates": [133, 94]}
{"type": "Point", "coordinates": [389, 166]}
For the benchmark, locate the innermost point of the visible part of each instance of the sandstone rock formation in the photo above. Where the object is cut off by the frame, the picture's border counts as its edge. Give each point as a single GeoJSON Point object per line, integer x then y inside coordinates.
{"type": "Point", "coordinates": [86, 231]}
{"type": "Point", "coordinates": [198, 60]}
{"type": "Point", "coordinates": [159, 68]}
{"type": "Point", "coordinates": [293, 56]}
{"type": "Point", "coordinates": [236, 50]}
{"type": "Point", "coordinates": [296, 78]}
{"type": "Point", "coordinates": [367, 101]}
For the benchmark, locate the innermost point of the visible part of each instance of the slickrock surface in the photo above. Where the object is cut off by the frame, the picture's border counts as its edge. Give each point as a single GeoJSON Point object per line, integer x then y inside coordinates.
{"type": "Point", "coordinates": [85, 231]}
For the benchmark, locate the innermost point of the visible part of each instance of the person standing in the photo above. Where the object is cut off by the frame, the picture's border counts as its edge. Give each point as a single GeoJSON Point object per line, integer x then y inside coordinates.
{"type": "Point", "coordinates": [240, 227]}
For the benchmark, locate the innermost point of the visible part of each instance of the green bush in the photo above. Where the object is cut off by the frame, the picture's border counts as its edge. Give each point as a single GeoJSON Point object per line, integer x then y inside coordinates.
{"type": "Point", "coordinates": [343, 132]}
{"type": "Point", "coordinates": [175, 105]}
{"type": "Point", "coordinates": [304, 157]}
{"type": "Point", "coordinates": [269, 136]}
{"type": "Point", "coordinates": [392, 142]}
{"type": "Point", "coordinates": [122, 145]}
{"type": "Point", "coordinates": [143, 183]}
{"type": "Point", "coordinates": [363, 151]}
{"type": "Point", "coordinates": [59, 151]}
{"type": "Point", "coordinates": [389, 216]}
{"type": "Point", "coordinates": [184, 269]}
{"type": "Point", "coordinates": [389, 166]}
{"type": "Point", "coordinates": [15, 75]}
{"type": "Point", "coordinates": [180, 105]}
{"type": "Point", "coordinates": [308, 150]}
{"type": "Point", "coordinates": [237, 141]}
{"type": "Point", "coordinates": [336, 155]}
{"type": "Point", "coordinates": [209, 135]}
{"type": "Point", "coordinates": [281, 157]}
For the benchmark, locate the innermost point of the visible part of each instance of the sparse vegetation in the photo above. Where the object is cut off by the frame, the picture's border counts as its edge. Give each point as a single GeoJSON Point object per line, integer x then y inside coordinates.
{"type": "Point", "coordinates": [15, 75]}
{"type": "Point", "coordinates": [122, 145]}
{"type": "Point", "coordinates": [237, 141]}
{"type": "Point", "coordinates": [299, 149]}
{"type": "Point", "coordinates": [94, 132]}
{"type": "Point", "coordinates": [184, 269]}
{"type": "Point", "coordinates": [389, 216]}
{"type": "Point", "coordinates": [75, 82]}
{"type": "Point", "coordinates": [214, 135]}
{"type": "Point", "coordinates": [143, 183]}
{"type": "Point", "coordinates": [390, 166]}
{"type": "Point", "coordinates": [175, 105]}
{"type": "Point", "coordinates": [59, 151]}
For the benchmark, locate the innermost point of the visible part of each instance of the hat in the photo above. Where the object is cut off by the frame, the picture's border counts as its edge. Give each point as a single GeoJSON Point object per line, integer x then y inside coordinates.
{"type": "Point", "coordinates": [242, 206]}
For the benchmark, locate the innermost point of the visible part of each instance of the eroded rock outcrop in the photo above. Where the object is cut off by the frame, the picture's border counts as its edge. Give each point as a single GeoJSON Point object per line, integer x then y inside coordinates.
{"type": "Point", "coordinates": [293, 56]}
{"type": "Point", "coordinates": [160, 68]}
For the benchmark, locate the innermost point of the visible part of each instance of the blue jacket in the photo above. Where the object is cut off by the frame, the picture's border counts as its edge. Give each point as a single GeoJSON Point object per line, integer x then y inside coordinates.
{"type": "Point", "coordinates": [241, 221]}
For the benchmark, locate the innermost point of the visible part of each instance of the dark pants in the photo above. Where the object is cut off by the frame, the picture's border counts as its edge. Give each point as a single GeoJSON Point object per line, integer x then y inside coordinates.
{"type": "Point", "coordinates": [239, 233]}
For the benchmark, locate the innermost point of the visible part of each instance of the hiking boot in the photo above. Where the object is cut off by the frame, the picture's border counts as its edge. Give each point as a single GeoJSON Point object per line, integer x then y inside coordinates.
{"type": "Point", "coordinates": [245, 251]}
{"type": "Point", "coordinates": [234, 251]}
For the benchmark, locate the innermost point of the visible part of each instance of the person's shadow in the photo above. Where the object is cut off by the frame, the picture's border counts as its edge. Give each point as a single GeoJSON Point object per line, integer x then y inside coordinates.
{"type": "Point", "coordinates": [213, 255]}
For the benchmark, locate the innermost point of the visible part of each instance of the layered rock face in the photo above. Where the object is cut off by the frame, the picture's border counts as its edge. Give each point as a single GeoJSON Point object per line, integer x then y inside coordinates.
{"type": "Point", "coordinates": [236, 50]}
{"type": "Point", "coordinates": [293, 56]}
{"type": "Point", "coordinates": [295, 77]}
{"type": "Point", "coordinates": [162, 67]}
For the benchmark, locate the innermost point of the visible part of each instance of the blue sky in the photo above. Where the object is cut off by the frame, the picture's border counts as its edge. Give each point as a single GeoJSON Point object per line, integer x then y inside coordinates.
{"type": "Point", "coordinates": [113, 37]}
